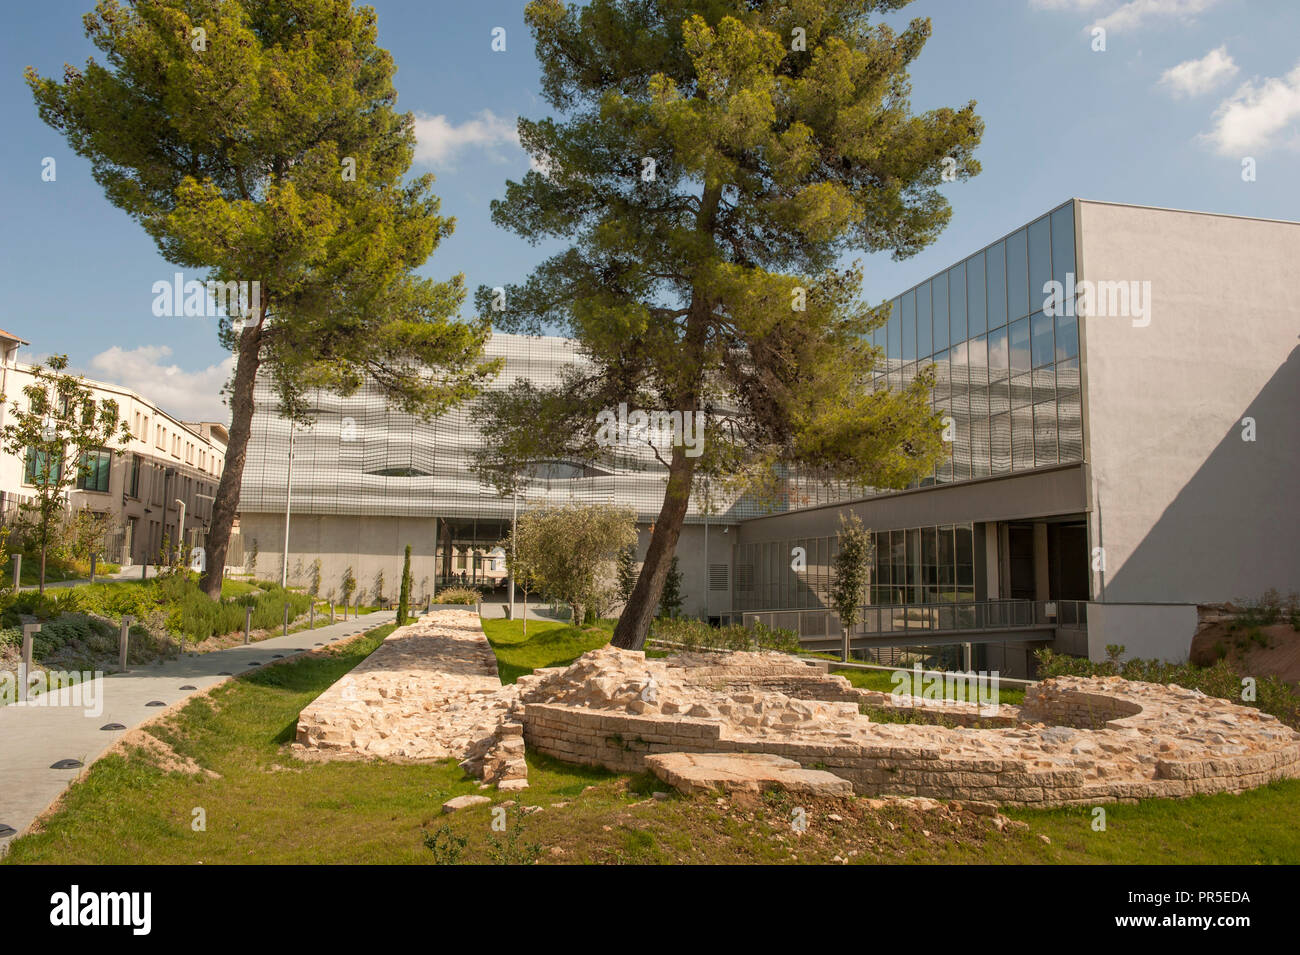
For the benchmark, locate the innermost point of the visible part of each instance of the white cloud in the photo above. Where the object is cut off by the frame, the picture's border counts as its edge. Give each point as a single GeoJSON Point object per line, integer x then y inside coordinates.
{"type": "Point", "coordinates": [440, 141]}
{"type": "Point", "coordinates": [1258, 115]}
{"type": "Point", "coordinates": [1127, 15]}
{"type": "Point", "coordinates": [1194, 77]}
{"type": "Point", "coordinates": [1137, 12]}
{"type": "Point", "coordinates": [1064, 4]}
{"type": "Point", "coordinates": [188, 395]}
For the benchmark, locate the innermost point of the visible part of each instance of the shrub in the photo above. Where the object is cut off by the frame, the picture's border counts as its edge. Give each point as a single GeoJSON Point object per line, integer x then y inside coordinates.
{"type": "Point", "coordinates": [690, 634]}
{"type": "Point", "coordinates": [1223, 680]}
{"type": "Point", "coordinates": [467, 596]}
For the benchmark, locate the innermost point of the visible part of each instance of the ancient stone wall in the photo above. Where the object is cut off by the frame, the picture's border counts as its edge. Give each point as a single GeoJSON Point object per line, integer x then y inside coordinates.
{"type": "Point", "coordinates": [1143, 740]}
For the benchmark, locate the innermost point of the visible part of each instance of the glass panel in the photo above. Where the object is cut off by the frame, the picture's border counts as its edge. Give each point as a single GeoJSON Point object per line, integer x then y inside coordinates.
{"type": "Point", "coordinates": [924, 341]}
{"type": "Point", "coordinates": [1044, 348]}
{"type": "Point", "coordinates": [1063, 243]}
{"type": "Point", "coordinates": [894, 341]}
{"type": "Point", "coordinates": [977, 310]}
{"type": "Point", "coordinates": [979, 376]}
{"type": "Point", "coordinates": [1067, 337]}
{"type": "Point", "coordinates": [1022, 392]}
{"type": "Point", "coordinates": [898, 558]}
{"type": "Point", "coordinates": [909, 326]}
{"type": "Point", "coordinates": [947, 560]}
{"type": "Point", "coordinates": [979, 431]}
{"type": "Point", "coordinates": [939, 300]}
{"type": "Point", "coordinates": [1017, 276]}
{"type": "Point", "coordinates": [1069, 412]}
{"type": "Point", "coordinates": [996, 266]}
{"type": "Point", "coordinates": [965, 556]}
{"type": "Point", "coordinates": [1045, 433]}
{"type": "Point", "coordinates": [957, 303]}
{"type": "Point", "coordinates": [1022, 437]}
{"type": "Point", "coordinates": [1018, 341]}
{"type": "Point", "coordinates": [999, 396]}
{"type": "Point", "coordinates": [961, 447]}
{"type": "Point", "coordinates": [1040, 262]}
{"type": "Point", "coordinates": [942, 377]}
{"type": "Point", "coordinates": [998, 358]}
{"type": "Point", "coordinates": [1000, 442]}
{"type": "Point", "coordinates": [930, 564]}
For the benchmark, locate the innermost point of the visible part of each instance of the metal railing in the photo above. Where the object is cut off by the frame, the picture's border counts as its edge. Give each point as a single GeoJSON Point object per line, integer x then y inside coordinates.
{"type": "Point", "coordinates": [920, 619]}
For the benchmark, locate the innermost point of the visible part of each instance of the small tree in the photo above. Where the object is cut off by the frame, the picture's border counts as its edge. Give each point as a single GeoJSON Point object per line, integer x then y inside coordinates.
{"type": "Point", "coordinates": [626, 573]}
{"type": "Point", "coordinates": [314, 589]}
{"type": "Point", "coordinates": [54, 436]}
{"type": "Point", "coordinates": [379, 588]}
{"type": "Point", "coordinates": [404, 598]}
{"type": "Point", "coordinates": [852, 572]}
{"type": "Point", "coordinates": [571, 552]}
{"type": "Point", "coordinates": [252, 558]}
{"type": "Point", "coordinates": [348, 587]}
{"type": "Point", "coordinates": [670, 601]}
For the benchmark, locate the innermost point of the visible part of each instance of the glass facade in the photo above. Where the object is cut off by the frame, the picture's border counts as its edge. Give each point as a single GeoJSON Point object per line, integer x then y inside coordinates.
{"type": "Point", "coordinates": [362, 457]}
{"type": "Point", "coordinates": [1005, 373]}
{"type": "Point", "coordinates": [912, 565]}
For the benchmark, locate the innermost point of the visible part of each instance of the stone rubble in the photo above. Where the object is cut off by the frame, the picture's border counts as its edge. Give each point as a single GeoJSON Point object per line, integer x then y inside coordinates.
{"type": "Point", "coordinates": [431, 691]}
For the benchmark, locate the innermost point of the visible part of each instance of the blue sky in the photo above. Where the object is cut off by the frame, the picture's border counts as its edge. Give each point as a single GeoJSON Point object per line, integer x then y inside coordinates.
{"type": "Point", "coordinates": [1184, 90]}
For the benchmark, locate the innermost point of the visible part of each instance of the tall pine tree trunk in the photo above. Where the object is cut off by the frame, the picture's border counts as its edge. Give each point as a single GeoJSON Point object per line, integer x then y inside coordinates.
{"type": "Point", "coordinates": [634, 624]}
{"type": "Point", "coordinates": [226, 504]}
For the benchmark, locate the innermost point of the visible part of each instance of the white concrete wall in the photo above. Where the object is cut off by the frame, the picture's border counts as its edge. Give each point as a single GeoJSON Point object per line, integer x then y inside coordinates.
{"type": "Point", "coordinates": [1188, 510]}
{"type": "Point", "coordinates": [1146, 631]}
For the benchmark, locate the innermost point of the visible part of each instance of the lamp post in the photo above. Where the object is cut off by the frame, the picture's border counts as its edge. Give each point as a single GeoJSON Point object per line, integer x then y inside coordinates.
{"type": "Point", "coordinates": [288, 490]}
{"type": "Point", "coordinates": [514, 522]}
{"type": "Point", "coordinates": [180, 527]}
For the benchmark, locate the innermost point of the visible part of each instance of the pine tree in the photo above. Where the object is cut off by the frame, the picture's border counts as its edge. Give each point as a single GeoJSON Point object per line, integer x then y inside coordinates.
{"type": "Point", "coordinates": [713, 162]}
{"type": "Point", "coordinates": [404, 598]}
{"type": "Point", "coordinates": [670, 601]}
{"type": "Point", "coordinates": [626, 573]}
{"type": "Point", "coordinates": [258, 141]}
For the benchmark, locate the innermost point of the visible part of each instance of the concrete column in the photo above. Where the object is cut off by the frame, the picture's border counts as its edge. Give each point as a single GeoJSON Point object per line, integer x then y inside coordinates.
{"type": "Point", "coordinates": [25, 670]}
{"type": "Point", "coordinates": [992, 567]}
{"type": "Point", "coordinates": [1041, 579]}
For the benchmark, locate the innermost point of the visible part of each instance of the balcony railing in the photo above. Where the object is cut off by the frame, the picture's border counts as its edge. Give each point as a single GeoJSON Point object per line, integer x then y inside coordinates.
{"type": "Point", "coordinates": [890, 620]}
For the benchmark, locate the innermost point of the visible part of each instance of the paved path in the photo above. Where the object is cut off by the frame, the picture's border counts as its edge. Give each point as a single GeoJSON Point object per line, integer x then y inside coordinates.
{"type": "Point", "coordinates": [32, 738]}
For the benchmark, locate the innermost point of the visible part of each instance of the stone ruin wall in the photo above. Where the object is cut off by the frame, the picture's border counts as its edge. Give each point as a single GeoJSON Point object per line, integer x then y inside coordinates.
{"type": "Point", "coordinates": [1102, 744]}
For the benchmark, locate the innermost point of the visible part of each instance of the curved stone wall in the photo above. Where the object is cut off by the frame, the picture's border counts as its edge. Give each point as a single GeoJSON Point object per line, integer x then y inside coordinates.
{"type": "Point", "coordinates": [1075, 741]}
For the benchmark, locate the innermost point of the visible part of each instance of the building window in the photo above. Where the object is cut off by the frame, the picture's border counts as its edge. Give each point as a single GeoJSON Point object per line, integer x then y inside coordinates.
{"type": "Point", "coordinates": [134, 487]}
{"type": "Point", "coordinates": [42, 468]}
{"type": "Point", "coordinates": [96, 467]}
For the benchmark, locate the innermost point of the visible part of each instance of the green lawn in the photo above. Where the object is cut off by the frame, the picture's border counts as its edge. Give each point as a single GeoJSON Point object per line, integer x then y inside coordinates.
{"type": "Point", "coordinates": [267, 807]}
{"type": "Point", "coordinates": [548, 644]}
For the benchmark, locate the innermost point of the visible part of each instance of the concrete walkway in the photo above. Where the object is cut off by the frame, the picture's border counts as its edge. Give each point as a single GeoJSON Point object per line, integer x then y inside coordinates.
{"type": "Point", "coordinates": [33, 738]}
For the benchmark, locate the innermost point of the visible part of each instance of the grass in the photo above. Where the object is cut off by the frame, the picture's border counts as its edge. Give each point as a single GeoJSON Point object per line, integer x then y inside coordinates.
{"type": "Point", "coordinates": [268, 807]}
{"type": "Point", "coordinates": [548, 644]}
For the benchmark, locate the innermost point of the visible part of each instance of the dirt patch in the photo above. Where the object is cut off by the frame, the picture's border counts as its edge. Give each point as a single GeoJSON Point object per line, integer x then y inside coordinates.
{"type": "Point", "coordinates": [1274, 652]}
{"type": "Point", "coordinates": [769, 827]}
{"type": "Point", "coordinates": [163, 756]}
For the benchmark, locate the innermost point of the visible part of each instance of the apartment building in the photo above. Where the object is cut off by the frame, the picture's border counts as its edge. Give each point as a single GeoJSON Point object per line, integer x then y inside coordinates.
{"type": "Point", "coordinates": [165, 474]}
